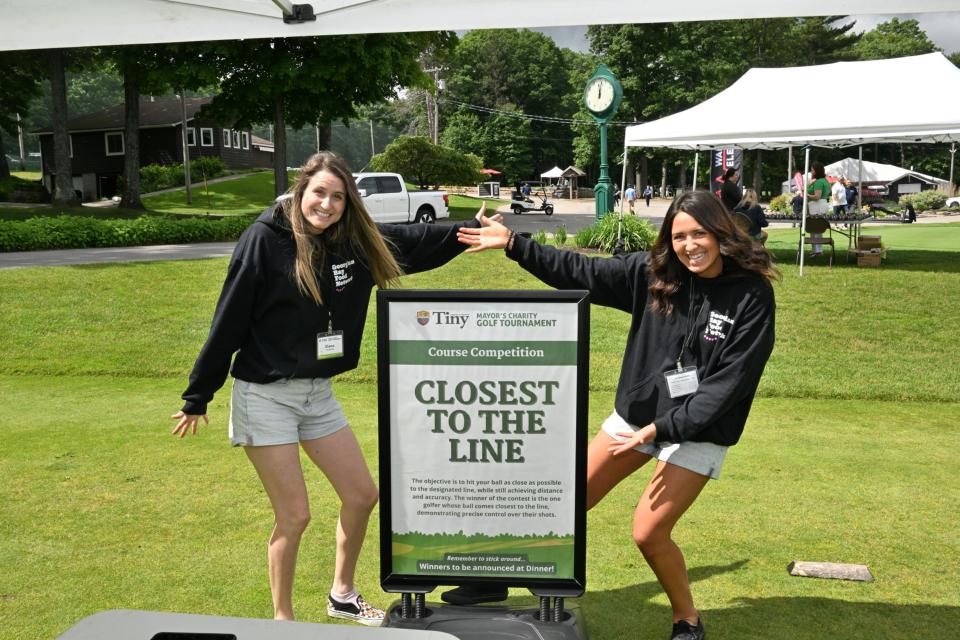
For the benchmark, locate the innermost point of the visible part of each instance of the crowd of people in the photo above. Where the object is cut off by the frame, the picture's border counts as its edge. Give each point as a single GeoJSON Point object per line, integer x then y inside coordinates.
{"type": "Point", "coordinates": [291, 315]}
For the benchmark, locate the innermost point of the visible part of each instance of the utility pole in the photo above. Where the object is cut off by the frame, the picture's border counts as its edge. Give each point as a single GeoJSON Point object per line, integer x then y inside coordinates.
{"type": "Point", "coordinates": [433, 108]}
{"type": "Point", "coordinates": [373, 150]}
{"type": "Point", "coordinates": [23, 159]}
{"type": "Point", "coordinates": [186, 147]}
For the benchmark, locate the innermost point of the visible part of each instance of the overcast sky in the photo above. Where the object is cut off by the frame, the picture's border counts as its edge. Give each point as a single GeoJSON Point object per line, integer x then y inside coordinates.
{"type": "Point", "coordinates": [942, 28]}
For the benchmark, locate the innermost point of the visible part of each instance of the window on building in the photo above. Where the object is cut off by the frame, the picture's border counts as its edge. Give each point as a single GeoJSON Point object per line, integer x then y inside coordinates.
{"type": "Point", "coordinates": [246, 140]}
{"type": "Point", "coordinates": [191, 137]}
{"type": "Point", "coordinates": [113, 141]}
{"type": "Point", "coordinates": [226, 138]}
{"type": "Point", "coordinates": [206, 137]}
{"type": "Point", "coordinates": [236, 139]}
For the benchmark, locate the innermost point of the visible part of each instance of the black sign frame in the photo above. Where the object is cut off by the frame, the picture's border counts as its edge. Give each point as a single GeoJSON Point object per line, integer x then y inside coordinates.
{"type": "Point", "coordinates": [393, 582]}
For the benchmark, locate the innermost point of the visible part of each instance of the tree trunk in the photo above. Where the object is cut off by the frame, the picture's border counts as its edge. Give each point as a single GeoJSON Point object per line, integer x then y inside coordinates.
{"type": "Point", "coordinates": [663, 179]}
{"type": "Point", "coordinates": [4, 167]}
{"type": "Point", "coordinates": [62, 172]}
{"type": "Point", "coordinates": [323, 136]}
{"type": "Point", "coordinates": [681, 176]}
{"type": "Point", "coordinates": [279, 147]}
{"type": "Point", "coordinates": [644, 173]}
{"type": "Point", "coordinates": [131, 142]}
{"type": "Point", "coordinates": [758, 173]}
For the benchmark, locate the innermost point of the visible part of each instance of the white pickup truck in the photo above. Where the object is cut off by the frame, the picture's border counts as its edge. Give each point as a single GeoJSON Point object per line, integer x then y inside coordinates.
{"type": "Point", "coordinates": [388, 200]}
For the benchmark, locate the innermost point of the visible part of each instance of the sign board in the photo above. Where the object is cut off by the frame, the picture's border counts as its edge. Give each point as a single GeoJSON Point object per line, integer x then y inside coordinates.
{"type": "Point", "coordinates": [482, 412]}
{"type": "Point", "coordinates": [721, 160]}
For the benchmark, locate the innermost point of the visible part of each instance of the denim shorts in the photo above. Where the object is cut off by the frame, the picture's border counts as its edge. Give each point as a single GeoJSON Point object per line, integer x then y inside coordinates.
{"type": "Point", "coordinates": [283, 412]}
{"type": "Point", "coordinates": [705, 458]}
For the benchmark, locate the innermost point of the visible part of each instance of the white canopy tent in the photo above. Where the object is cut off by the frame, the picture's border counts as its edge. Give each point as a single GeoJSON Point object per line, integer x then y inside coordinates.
{"type": "Point", "coordinates": [777, 108]}
{"type": "Point", "coordinates": [751, 114]}
{"type": "Point", "coordinates": [554, 173]}
{"type": "Point", "coordinates": [873, 173]}
{"type": "Point", "coordinates": [29, 24]}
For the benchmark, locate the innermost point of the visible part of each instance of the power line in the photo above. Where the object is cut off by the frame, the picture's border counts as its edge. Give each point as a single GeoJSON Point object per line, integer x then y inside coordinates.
{"type": "Point", "coordinates": [528, 116]}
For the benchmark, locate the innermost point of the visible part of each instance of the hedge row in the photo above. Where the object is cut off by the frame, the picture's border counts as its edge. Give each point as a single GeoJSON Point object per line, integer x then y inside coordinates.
{"type": "Point", "coordinates": [69, 232]}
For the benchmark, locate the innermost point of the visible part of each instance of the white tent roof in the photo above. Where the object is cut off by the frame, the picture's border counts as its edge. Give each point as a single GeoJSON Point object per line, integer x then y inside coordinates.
{"type": "Point", "coordinates": [30, 24]}
{"type": "Point", "coordinates": [873, 172]}
{"type": "Point", "coordinates": [776, 108]}
{"type": "Point", "coordinates": [556, 172]}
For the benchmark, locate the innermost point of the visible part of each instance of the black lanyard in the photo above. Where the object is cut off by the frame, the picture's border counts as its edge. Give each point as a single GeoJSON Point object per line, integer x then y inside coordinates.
{"type": "Point", "coordinates": [691, 324]}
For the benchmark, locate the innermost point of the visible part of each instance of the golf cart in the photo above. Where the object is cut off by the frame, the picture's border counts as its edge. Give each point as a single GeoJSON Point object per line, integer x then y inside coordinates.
{"type": "Point", "coordinates": [522, 204]}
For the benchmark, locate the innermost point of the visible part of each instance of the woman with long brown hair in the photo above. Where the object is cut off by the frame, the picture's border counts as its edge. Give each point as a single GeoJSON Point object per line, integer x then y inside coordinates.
{"type": "Point", "coordinates": [702, 330]}
{"type": "Point", "coordinates": [292, 309]}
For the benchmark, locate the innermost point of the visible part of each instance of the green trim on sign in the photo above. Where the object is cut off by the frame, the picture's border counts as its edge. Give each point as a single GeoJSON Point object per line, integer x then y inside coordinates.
{"type": "Point", "coordinates": [506, 353]}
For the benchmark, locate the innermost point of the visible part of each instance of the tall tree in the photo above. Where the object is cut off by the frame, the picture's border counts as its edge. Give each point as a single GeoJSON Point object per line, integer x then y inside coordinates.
{"type": "Point", "coordinates": [823, 39]}
{"type": "Point", "coordinates": [20, 75]}
{"type": "Point", "coordinates": [303, 81]}
{"type": "Point", "coordinates": [63, 193]}
{"type": "Point", "coordinates": [894, 39]}
{"type": "Point", "coordinates": [514, 71]}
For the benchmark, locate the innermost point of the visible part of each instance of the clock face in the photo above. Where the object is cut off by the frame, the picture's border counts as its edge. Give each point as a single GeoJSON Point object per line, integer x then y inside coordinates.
{"type": "Point", "coordinates": [599, 95]}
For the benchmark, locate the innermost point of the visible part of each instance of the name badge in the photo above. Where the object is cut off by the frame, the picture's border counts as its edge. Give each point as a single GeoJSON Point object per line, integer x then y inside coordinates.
{"type": "Point", "coordinates": [682, 382]}
{"type": "Point", "coordinates": [329, 345]}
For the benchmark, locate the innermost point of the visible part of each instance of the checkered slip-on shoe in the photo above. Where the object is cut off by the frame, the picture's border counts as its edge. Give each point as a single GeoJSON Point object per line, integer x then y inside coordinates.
{"type": "Point", "coordinates": [360, 612]}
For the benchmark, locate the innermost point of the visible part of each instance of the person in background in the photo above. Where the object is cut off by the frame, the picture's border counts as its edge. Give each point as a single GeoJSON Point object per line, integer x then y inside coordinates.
{"type": "Point", "coordinates": [750, 207]}
{"type": "Point", "coordinates": [648, 193]}
{"type": "Point", "coordinates": [631, 195]}
{"type": "Point", "coordinates": [851, 193]}
{"type": "Point", "coordinates": [817, 190]}
{"type": "Point", "coordinates": [838, 197]}
{"type": "Point", "coordinates": [292, 310]}
{"type": "Point", "coordinates": [730, 192]}
{"type": "Point", "coordinates": [702, 329]}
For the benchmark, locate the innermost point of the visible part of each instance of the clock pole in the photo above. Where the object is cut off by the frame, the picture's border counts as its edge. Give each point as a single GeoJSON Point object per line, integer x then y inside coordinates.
{"type": "Point", "coordinates": [603, 190]}
{"type": "Point", "coordinates": [602, 97]}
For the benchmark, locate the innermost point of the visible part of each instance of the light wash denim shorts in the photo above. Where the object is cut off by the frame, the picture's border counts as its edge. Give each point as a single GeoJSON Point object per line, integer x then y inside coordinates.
{"type": "Point", "coordinates": [705, 458]}
{"type": "Point", "coordinates": [283, 412]}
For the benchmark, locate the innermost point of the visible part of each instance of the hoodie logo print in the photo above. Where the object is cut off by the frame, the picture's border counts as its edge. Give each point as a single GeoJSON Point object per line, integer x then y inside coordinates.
{"type": "Point", "coordinates": [716, 327]}
{"type": "Point", "coordinates": [342, 275]}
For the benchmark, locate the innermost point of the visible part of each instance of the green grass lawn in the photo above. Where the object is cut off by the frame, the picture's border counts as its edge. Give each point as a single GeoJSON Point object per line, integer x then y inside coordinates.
{"type": "Point", "coordinates": [849, 456]}
{"type": "Point", "coordinates": [251, 193]}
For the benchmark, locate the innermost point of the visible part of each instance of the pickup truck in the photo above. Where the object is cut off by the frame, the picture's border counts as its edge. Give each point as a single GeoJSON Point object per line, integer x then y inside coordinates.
{"type": "Point", "coordinates": [388, 200]}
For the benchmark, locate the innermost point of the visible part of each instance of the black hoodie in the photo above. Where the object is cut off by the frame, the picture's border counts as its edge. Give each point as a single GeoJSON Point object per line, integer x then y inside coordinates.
{"type": "Point", "coordinates": [272, 327]}
{"type": "Point", "coordinates": [728, 326]}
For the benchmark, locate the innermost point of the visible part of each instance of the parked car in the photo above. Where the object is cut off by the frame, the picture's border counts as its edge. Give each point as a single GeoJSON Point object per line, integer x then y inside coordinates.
{"type": "Point", "coordinates": [388, 200]}
{"type": "Point", "coordinates": [952, 202]}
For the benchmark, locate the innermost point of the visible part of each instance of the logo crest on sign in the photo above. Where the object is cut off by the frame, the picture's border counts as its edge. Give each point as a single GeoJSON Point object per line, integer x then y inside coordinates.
{"type": "Point", "coordinates": [423, 317]}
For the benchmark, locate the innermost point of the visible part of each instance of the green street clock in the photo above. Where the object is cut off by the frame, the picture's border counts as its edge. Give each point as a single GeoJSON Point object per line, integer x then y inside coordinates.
{"type": "Point", "coordinates": [602, 97]}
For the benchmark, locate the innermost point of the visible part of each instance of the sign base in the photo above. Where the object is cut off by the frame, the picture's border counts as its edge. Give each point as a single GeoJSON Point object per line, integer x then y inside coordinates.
{"type": "Point", "coordinates": [482, 622]}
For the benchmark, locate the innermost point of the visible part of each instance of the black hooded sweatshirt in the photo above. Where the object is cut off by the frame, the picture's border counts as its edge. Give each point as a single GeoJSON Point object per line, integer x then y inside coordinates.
{"type": "Point", "coordinates": [272, 327]}
{"type": "Point", "coordinates": [727, 325]}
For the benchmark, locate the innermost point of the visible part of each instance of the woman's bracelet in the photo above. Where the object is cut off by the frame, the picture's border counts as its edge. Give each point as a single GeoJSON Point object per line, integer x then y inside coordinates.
{"type": "Point", "coordinates": [510, 239]}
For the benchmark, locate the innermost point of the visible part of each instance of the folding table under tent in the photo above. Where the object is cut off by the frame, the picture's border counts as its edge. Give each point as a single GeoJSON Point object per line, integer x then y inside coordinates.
{"type": "Point", "coordinates": [739, 116]}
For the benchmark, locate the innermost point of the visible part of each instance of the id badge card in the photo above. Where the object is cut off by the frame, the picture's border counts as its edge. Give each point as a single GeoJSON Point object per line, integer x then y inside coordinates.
{"type": "Point", "coordinates": [681, 382]}
{"type": "Point", "coordinates": [329, 345]}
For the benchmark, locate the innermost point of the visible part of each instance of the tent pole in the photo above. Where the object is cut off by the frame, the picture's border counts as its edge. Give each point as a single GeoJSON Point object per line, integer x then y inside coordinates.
{"type": "Point", "coordinates": [803, 216]}
{"type": "Point", "coordinates": [696, 164]}
{"type": "Point", "coordinates": [859, 184]}
{"type": "Point", "coordinates": [623, 187]}
{"type": "Point", "coordinates": [953, 152]}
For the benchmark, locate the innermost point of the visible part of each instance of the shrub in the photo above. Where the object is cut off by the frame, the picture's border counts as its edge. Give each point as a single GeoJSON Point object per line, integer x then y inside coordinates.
{"type": "Point", "coordinates": [540, 237]}
{"type": "Point", "coordinates": [154, 177]}
{"type": "Point", "coordinates": [583, 239]}
{"type": "Point", "coordinates": [637, 234]}
{"type": "Point", "coordinates": [19, 190]}
{"type": "Point", "coordinates": [72, 232]}
{"type": "Point", "coordinates": [925, 200]}
{"type": "Point", "coordinates": [209, 166]}
{"type": "Point", "coordinates": [560, 236]}
{"type": "Point", "coordinates": [781, 203]}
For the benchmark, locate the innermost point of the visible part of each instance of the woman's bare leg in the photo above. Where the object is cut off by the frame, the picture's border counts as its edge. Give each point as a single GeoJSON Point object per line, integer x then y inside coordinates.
{"type": "Point", "coordinates": [667, 497]}
{"type": "Point", "coordinates": [605, 470]}
{"type": "Point", "coordinates": [279, 470]}
{"type": "Point", "coordinates": [339, 457]}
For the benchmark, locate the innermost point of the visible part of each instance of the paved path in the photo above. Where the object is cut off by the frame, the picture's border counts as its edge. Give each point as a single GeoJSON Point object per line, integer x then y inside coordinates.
{"type": "Point", "coordinates": [574, 215]}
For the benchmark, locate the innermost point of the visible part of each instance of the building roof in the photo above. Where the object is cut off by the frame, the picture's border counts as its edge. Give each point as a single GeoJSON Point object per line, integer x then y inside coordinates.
{"type": "Point", "coordinates": [153, 113]}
